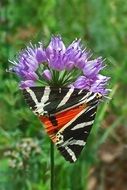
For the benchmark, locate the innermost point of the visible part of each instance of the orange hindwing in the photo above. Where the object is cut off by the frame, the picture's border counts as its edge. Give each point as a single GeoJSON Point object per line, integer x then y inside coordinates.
{"type": "Point", "coordinates": [61, 118]}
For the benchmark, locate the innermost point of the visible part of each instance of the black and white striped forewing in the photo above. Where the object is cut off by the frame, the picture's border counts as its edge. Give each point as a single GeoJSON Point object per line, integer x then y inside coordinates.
{"type": "Point", "coordinates": [49, 100]}
{"type": "Point", "coordinates": [74, 135]}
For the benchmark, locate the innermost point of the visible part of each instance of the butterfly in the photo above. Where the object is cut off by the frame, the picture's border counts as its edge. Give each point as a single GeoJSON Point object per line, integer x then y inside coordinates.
{"type": "Point", "coordinates": [67, 115]}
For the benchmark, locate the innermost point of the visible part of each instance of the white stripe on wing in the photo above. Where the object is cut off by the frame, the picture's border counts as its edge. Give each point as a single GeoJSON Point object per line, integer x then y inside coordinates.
{"type": "Point", "coordinates": [82, 125]}
{"type": "Point", "coordinates": [66, 97]}
{"type": "Point", "coordinates": [71, 153]}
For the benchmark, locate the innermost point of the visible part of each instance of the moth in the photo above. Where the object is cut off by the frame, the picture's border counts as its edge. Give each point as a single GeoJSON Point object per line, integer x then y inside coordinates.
{"type": "Point", "coordinates": [67, 115]}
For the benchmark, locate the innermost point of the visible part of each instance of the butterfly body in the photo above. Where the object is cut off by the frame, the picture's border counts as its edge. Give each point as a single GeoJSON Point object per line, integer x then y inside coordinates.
{"type": "Point", "coordinates": [67, 114]}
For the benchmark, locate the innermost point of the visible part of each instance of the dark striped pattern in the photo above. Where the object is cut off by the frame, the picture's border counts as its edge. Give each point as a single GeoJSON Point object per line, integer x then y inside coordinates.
{"type": "Point", "coordinates": [54, 98]}
{"type": "Point", "coordinates": [79, 129]}
{"type": "Point", "coordinates": [50, 101]}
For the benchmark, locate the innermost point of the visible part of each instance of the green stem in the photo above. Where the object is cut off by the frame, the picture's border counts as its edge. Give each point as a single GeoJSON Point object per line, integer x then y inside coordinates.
{"type": "Point", "coordinates": [52, 165]}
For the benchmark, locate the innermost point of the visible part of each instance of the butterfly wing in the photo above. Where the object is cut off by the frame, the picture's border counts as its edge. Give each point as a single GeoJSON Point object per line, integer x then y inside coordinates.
{"type": "Point", "coordinates": [75, 133]}
{"type": "Point", "coordinates": [71, 130]}
{"type": "Point", "coordinates": [68, 115]}
{"type": "Point", "coordinates": [49, 100]}
{"type": "Point", "coordinates": [54, 123]}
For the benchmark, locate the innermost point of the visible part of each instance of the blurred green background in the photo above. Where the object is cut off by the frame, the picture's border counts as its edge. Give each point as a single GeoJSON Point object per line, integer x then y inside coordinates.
{"type": "Point", "coordinates": [24, 147]}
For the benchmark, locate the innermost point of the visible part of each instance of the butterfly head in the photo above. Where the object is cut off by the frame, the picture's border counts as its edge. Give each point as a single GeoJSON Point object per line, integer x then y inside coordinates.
{"type": "Point", "coordinates": [94, 98]}
{"type": "Point", "coordinates": [98, 95]}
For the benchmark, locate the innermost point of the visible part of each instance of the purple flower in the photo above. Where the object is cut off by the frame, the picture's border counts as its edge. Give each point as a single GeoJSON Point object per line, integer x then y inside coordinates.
{"type": "Point", "coordinates": [55, 53]}
{"type": "Point", "coordinates": [99, 84]}
{"type": "Point", "coordinates": [27, 83]}
{"type": "Point", "coordinates": [59, 57]}
{"type": "Point", "coordinates": [61, 64]}
{"type": "Point", "coordinates": [93, 67]}
{"type": "Point", "coordinates": [40, 54]}
{"type": "Point", "coordinates": [83, 83]}
{"type": "Point", "coordinates": [28, 61]}
{"type": "Point", "coordinates": [27, 64]}
{"type": "Point", "coordinates": [29, 75]}
{"type": "Point", "coordinates": [95, 85]}
{"type": "Point", "coordinates": [47, 74]}
{"type": "Point", "coordinates": [75, 55]}
{"type": "Point", "coordinates": [56, 44]}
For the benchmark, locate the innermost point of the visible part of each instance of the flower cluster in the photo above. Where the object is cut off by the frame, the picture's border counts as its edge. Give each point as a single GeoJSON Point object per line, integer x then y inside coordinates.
{"type": "Point", "coordinates": [21, 155]}
{"type": "Point", "coordinates": [57, 65]}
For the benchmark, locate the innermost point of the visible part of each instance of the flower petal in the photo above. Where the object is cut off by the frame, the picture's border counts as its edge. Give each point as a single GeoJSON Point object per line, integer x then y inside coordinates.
{"type": "Point", "coordinates": [55, 44]}
{"type": "Point", "coordinates": [27, 83]}
{"type": "Point", "coordinates": [40, 55]}
{"type": "Point", "coordinates": [93, 67]}
{"type": "Point", "coordinates": [82, 83]}
{"type": "Point", "coordinates": [47, 74]}
{"type": "Point", "coordinates": [99, 84]}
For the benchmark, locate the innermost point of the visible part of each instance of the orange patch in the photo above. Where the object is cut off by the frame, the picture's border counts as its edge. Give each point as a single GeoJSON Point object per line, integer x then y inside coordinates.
{"type": "Point", "coordinates": [62, 119]}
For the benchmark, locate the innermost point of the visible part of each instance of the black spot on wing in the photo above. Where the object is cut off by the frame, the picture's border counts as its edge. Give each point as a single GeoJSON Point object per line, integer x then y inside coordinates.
{"type": "Point", "coordinates": [53, 120]}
